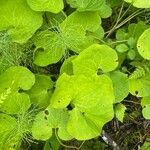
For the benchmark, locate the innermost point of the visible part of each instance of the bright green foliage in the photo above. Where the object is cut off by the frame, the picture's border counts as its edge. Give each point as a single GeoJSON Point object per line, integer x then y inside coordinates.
{"type": "Point", "coordinates": [145, 146]}
{"type": "Point", "coordinates": [98, 34]}
{"type": "Point", "coordinates": [51, 46]}
{"type": "Point", "coordinates": [121, 48]}
{"type": "Point", "coordinates": [53, 6]}
{"type": "Point", "coordinates": [143, 44]}
{"type": "Point", "coordinates": [136, 29]}
{"type": "Point", "coordinates": [67, 66]}
{"type": "Point", "coordinates": [88, 20]}
{"type": "Point", "coordinates": [86, 5]}
{"type": "Point", "coordinates": [20, 21]}
{"type": "Point", "coordinates": [52, 143]}
{"type": "Point", "coordinates": [70, 34]}
{"type": "Point", "coordinates": [105, 11]}
{"type": "Point", "coordinates": [81, 126]}
{"type": "Point", "coordinates": [131, 54]}
{"type": "Point", "coordinates": [17, 78]}
{"type": "Point", "coordinates": [130, 38]}
{"type": "Point", "coordinates": [139, 3]}
{"type": "Point", "coordinates": [145, 102]}
{"type": "Point", "coordinates": [13, 80]}
{"type": "Point", "coordinates": [119, 111]}
{"type": "Point", "coordinates": [48, 119]}
{"type": "Point", "coordinates": [15, 103]}
{"type": "Point", "coordinates": [140, 87]}
{"type": "Point", "coordinates": [41, 92]}
{"type": "Point", "coordinates": [95, 58]}
{"type": "Point", "coordinates": [91, 87]}
{"type": "Point", "coordinates": [84, 69]}
{"type": "Point", "coordinates": [74, 37]}
{"type": "Point", "coordinates": [87, 96]}
{"type": "Point", "coordinates": [7, 125]}
{"type": "Point", "coordinates": [12, 131]}
{"type": "Point", "coordinates": [120, 85]}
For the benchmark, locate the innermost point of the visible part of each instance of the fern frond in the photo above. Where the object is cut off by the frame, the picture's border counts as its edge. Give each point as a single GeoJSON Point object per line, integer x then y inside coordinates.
{"type": "Point", "coordinates": [141, 71]}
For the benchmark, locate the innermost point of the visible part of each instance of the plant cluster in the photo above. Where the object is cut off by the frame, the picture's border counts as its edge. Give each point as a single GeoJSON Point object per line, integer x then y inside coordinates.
{"type": "Point", "coordinates": [66, 68]}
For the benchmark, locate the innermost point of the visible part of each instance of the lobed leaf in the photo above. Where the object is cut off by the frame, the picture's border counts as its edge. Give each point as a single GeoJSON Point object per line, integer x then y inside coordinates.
{"type": "Point", "coordinates": [94, 58]}
{"type": "Point", "coordinates": [54, 6]}
{"type": "Point", "coordinates": [20, 21]}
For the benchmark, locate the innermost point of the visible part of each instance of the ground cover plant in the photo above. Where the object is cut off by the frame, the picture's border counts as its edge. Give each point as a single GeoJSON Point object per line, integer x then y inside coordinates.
{"type": "Point", "coordinates": [74, 74]}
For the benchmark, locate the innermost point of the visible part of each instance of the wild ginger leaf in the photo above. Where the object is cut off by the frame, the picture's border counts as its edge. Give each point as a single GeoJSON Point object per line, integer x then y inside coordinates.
{"type": "Point", "coordinates": [120, 85]}
{"type": "Point", "coordinates": [49, 48]}
{"type": "Point", "coordinates": [88, 20]}
{"type": "Point", "coordinates": [16, 103]}
{"type": "Point", "coordinates": [54, 6]}
{"type": "Point", "coordinates": [48, 119]}
{"type": "Point", "coordinates": [41, 91]}
{"type": "Point", "coordinates": [67, 66]}
{"type": "Point", "coordinates": [17, 77]}
{"type": "Point", "coordinates": [95, 58]}
{"type": "Point", "coordinates": [140, 87]}
{"type": "Point", "coordinates": [105, 11]}
{"type": "Point", "coordinates": [81, 127]}
{"type": "Point", "coordinates": [74, 36]}
{"type": "Point", "coordinates": [87, 95]}
{"type": "Point", "coordinates": [12, 81]}
{"type": "Point", "coordinates": [119, 111]}
{"type": "Point", "coordinates": [86, 5]}
{"type": "Point", "coordinates": [85, 92]}
{"type": "Point", "coordinates": [145, 102]}
{"type": "Point", "coordinates": [19, 19]}
{"type": "Point", "coordinates": [143, 45]}
{"type": "Point", "coordinates": [63, 93]}
{"type": "Point", "coordinates": [139, 3]}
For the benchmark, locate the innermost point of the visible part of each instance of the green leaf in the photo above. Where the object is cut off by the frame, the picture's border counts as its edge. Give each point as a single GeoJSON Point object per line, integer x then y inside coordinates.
{"type": "Point", "coordinates": [139, 3]}
{"type": "Point", "coordinates": [131, 54]}
{"type": "Point", "coordinates": [105, 11]}
{"type": "Point", "coordinates": [48, 119]}
{"type": "Point", "coordinates": [49, 48]}
{"type": "Point", "coordinates": [92, 96]}
{"type": "Point", "coordinates": [140, 87]}
{"type": "Point", "coordinates": [74, 37]}
{"type": "Point", "coordinates": [88, 20]}
{"type": "Point", "coordinates": [122, 48]}
{"type": "Point", "coordinates": [41, 91]}
{"type": "Point", "coordinates": [120, 85]}
{"type": "Point", "coordinates": [20, 21]}
{"type": "Point", "coordinates": [97, 35]}
{"type": "Point", "coordinates": [86, 5]}
{"type": "Point", "coordinates": [94, 58]}
{"type": "Point", "coordinates": [121, 34]}
{"type": "Point", "coordinates": [16, 103]}
{"type": "Point", "coordinates": [7, 126]}
{"type": "Point", "coordinates": [145, 146]}
{"type": "Point", "coordinates": [63, 93]}
{"type": "Point", "coordinates": [143, 45]}
{"type": "Point", "coordinates": [136, 29]}
{"type": "Point", "coordinates": [145, 102]}
{"type": "Point", "coordinates": [45, 5]}
{"type": "Point", "coordinates": [17, 77]}
{"type": "Point", "coordinates": [85, 95]}
{"type": "Point", "coordinates": [52, 143]}
{"type": "Point", "coordinates": [67, 66]}
{"type": "Point", "coordinates": [12, 81]}
{"type": "Point", "coordinates": [119, 111]}
{"type": "Point", "coordinates": [80, 127]}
